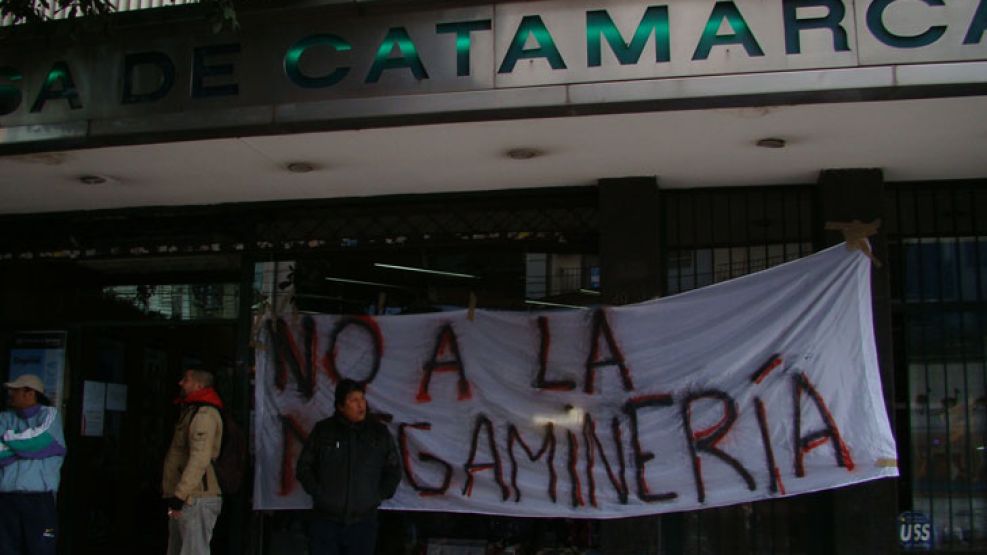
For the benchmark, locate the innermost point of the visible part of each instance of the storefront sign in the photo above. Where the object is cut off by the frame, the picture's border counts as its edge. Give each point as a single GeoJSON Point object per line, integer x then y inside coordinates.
{"type": "Point", "coordinates": [761, 387]}
{"type": "Point", "coordinates": [486, 48]}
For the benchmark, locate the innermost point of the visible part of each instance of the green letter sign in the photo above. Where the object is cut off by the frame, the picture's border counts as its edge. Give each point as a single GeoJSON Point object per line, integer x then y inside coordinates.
{"type": "Point", "coordinates": [397, 37]}
{"type": "Point", "coordinates": [532, 25]}
{"type": "Point", "coordinates": [10, 96]}
{"type": "Point", "coordinates": [875, 22]}
{"type": "Point", "coordinates": [793, 25]}
{"type": "Point", "coordinates": [742, 33]}
{"type": "Point", "coordinates": [975, 33]}
{"type": "Point", "coordinates": [463, 41]}
{"type": "Point", "coordinates": [293, 56]}
{"type": "Point", "coordinates": [599, 23]}
{"type": "Point", "coordinates": [157, 60]}
{"type": "Point", "coordinates": [61, 75]}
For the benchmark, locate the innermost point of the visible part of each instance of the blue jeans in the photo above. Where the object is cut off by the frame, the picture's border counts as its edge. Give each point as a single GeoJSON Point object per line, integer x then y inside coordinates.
{"type": "Point", "coordinates": [335, 538]}
{"type": "Point", "coordinates": [27, 523]}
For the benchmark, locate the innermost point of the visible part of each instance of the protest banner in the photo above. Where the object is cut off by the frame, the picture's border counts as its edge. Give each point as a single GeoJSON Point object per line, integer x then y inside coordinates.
{"type": "Point", "coordinates": [756, 388]}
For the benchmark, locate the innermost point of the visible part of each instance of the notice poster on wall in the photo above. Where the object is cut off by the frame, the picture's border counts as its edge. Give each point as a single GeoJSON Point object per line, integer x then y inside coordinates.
{"type": "Point", "coordinates": [93, 408]}
{"type": "Point", "coordinates": [41, 353]}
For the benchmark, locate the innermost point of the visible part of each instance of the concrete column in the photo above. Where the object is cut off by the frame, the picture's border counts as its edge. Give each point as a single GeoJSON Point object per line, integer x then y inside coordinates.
{"type": "Point", "coordinates": [863, 516]}
{"type": "Point", "coordinates": [630, 248]}
{"type": "Point", "coordinates": [631, 270]}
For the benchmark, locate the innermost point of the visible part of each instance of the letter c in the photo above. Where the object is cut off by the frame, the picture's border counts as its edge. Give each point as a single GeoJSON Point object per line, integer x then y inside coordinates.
{"type": "Point", "coordinates": [294, 55]}
{"type": "Point", "coordinates": [875, 22]}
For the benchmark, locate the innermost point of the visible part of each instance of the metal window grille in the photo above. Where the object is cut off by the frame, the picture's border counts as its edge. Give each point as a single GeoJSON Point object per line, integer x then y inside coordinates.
{"type": "Point", "coordinates": [717, 234]}
{"type": "Point", "coordinates": [713, 235]}
{"type": "Point", "coordinates": [548, 220]}
{"type": "Point", "coordinates": [937, 238]}
{"type": "Point", "coordinates": [54, 11]}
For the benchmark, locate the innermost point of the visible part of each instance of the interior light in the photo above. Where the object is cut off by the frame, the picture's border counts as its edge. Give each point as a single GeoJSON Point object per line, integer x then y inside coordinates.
{"type": "Point", "coordinates": [424, 271]}
{"type": "Point", "coordinates": [361, 282]}
{"type": "Point", "coordinates": [555, 305]}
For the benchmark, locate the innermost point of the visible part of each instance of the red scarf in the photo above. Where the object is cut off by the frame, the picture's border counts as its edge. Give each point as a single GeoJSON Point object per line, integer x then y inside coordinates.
{"type": "Point", "coordinates": [206, 395]}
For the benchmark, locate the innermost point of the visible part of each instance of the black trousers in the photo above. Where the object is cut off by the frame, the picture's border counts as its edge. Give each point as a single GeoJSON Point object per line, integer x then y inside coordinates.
{"type": "Point", "coordinates": [27, 523]}
{"type": "Point", "coordinates": [335, 538]}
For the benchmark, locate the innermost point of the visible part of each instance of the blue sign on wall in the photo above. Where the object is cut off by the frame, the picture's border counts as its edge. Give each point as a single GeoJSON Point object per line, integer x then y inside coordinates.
{"type": "Point", "coordinates": [914, 531]}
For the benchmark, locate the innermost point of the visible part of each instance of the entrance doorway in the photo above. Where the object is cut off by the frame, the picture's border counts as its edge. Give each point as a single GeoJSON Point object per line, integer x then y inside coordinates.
{"type": "Point", "coordinates": [112, 502]}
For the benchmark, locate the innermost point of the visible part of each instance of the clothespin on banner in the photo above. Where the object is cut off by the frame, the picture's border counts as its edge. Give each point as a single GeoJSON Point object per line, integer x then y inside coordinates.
{"type": "Point", "coordinates": [255, 327]}
{"type": "Point", "coordinates": [381, 302]}
{"type": "Point", "coordinates": [471, 309]}
{"type": "Point", "coordinates": [855, 234]}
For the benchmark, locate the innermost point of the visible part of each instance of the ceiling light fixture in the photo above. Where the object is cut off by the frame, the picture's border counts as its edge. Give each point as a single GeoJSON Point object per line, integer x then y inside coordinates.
{"type": "Point", "coordinates": [92, 179]}
{"type": "Point", "coordinates": [771, 142]}
{"type": "Point", "coordinates": [425, 271]}
{"type": "Point", "coordinates": [554, 305]}
{"type": "Point", "coordinates": [523, 153]}
{"type": "Point", "coordinates": [300, 167]}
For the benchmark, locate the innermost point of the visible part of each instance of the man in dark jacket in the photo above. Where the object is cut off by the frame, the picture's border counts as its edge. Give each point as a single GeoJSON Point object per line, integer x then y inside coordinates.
{"type": "Point", "coordinates": [348, 465]}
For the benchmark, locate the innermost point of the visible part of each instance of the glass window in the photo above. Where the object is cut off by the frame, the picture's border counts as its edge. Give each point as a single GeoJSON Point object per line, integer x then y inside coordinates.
{"type": "Point", "coordinates": [692, 269]}
{"type": "Point", "coordinates": [207, 301]}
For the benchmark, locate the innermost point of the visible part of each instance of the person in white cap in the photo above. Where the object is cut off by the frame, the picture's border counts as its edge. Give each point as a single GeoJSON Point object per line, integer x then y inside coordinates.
{"type": "Point", "coordinates": [32, 448]}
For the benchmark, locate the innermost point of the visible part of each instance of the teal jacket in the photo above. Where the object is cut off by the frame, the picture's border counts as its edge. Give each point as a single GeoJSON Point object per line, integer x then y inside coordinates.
{"type": "Point", "coordinates": [32, 448]}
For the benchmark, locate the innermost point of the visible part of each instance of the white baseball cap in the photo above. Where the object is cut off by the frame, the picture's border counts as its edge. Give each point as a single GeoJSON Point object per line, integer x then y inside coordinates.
{"type": "Point", "coordinates": [27, 380]}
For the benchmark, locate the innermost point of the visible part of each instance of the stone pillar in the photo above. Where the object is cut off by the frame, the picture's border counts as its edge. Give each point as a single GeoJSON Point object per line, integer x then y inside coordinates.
{"type": "Point", "coordinates": [631, 270]}
{"type": "Point", "coordinates": [630, 221]}
{"type": "Point", "coordinates": [863, 516]}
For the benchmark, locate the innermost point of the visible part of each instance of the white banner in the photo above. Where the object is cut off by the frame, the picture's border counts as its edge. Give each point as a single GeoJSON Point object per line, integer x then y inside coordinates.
{"type": "Point", "coordinates": [761, 387]}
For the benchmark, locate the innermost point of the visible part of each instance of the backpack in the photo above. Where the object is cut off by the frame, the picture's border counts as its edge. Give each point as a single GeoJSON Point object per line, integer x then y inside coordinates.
{"type": "Point", "coordinates": [231, 464]}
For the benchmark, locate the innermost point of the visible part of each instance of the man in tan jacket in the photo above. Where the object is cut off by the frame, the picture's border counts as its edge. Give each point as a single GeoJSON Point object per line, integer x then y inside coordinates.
{"type": "Point", "coordinates": [189, 481]}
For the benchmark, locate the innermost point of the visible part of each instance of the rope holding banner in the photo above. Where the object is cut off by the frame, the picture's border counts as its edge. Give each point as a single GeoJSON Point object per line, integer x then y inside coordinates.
{"type": "Point", "coordinates": [855, 234]}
